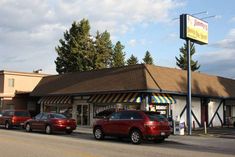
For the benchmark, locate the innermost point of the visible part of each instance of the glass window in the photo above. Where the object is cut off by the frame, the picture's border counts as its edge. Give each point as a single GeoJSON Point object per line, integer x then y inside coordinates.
{"type": "Point", "coordinates": [38, 116]}
{"type": "Point", "coordinates": [155, 116]}
{"type": "Point", "coordinates": [105, 113]}
{"type": "Point", "coordinates": [10, 113]}
{"type": "Point", "coordinates": [57, 116]}
{"type": "Point", "coordinates": [130, 115]}
{"type": "Point", "coordinates": [22, 114]}
{"type": "Point", "coordinates": [125, 115]}
{"type": "Point", "coordinates": [5, 113]}
{"type": "Point", "coordinates": [136, 115]}
{"type": "Point", "coordinates": [11, 82]}
{"type": "Point", "coordinates": [115, 116]}
{"type": "Point", "coordinates": [44, 116]}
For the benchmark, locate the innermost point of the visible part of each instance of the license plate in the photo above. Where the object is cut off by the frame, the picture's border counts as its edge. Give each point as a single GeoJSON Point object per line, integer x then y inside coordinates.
{"type": "Point", "coordinates": [163, 133]}
{"type": "Point", "coordinates": [68, 127]}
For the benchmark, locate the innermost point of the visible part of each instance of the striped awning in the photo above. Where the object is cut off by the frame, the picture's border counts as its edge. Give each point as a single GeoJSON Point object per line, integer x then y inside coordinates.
{"type": "Point", "coordinates": [116, 98]}
{"type": "Point", "coordinates": [55, 100]}
{"type": "Point", "coordinates": [161, 98]}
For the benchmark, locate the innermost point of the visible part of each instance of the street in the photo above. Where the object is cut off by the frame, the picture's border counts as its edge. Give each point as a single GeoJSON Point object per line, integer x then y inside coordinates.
{"type": "Point", "coordinates": [21, 144]}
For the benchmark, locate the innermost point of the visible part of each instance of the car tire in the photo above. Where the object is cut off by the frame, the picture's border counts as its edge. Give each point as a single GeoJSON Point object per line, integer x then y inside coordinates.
{"type": "Point", "coordinates": [28, 128]}
{"type": "Point", "coordinates": [98, 133]}
{"type": "Point", "coordinates": [7, 125]}
{"type": "Point", "coordinates": [48, 129]}
{"type": "Point", "coordinates": [136, 136]}
{"type": "Point", "coordinates": [68, 132]}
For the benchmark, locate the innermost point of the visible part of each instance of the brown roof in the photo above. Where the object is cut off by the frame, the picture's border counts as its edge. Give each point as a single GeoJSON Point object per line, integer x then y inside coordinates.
{"type": "Point", "coordinates": [135, 78]}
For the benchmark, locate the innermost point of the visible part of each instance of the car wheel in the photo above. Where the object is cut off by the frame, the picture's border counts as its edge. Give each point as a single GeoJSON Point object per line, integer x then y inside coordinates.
{"type": "Point", "coordinates": [28, 128]}
{"type": "Point", "coordinates": [69, 132]}
{"type": "Point", "coordinates": [136, 136]}
{"type": "Point", "coordinates": [7, 125]}
{"type": "Point", "coordinates": [98, 133]}
{"type": "Point", "coordinates": [48, 129]}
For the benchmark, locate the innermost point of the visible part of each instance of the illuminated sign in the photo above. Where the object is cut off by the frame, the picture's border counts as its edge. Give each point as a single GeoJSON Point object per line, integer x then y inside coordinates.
{"type": "Point", "coordinates": [194, 29]}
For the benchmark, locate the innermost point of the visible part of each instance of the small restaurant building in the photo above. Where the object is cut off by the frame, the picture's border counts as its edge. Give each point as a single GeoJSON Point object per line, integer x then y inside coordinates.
{"type": "Point", "coordinates": [85, 95]}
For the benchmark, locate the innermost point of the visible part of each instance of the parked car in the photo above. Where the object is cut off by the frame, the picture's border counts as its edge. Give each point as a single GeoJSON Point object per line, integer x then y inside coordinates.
{"type": "Point", "coordinates": [14, 118]}
{"type": "Point", "coordinates": [137, 125]}
{"type": "Point", "coordinates": [51, 122]}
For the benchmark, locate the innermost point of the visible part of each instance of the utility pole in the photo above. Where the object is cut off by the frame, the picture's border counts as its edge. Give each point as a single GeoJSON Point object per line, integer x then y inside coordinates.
{"type": "Point", "coordinates": [189, 105]}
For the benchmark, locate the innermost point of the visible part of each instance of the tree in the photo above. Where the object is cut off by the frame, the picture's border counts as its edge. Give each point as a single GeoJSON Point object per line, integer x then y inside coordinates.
{"type": "Point", "coordinates": [181, 62]}
{"type": "Point", "coordinates": [76, 50]}
{"type": "Point", "coordinates": [103, 50]}
{"type": "Point", "coordinates": [148, 58]}
{"type": "Point", "coordinates": [132, 60]}
{"type": "Point", "coordinates": [118, 55]}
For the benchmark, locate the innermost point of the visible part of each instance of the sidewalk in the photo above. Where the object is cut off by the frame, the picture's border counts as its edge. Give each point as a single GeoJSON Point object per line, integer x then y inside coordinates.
{"type": "Point", "coordinates": [219, 132]}
{"type": "Point", "coordinates": [83, 130]}
{"type": "Point", "coordinates": [211, 132]}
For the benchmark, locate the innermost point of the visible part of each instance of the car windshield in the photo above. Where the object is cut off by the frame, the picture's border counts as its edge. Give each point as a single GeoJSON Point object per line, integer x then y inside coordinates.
{"type": "Point", "coordinates": [22, 114]}
{"type": "Point", "coordinates": [55, 115]}
{"type": "Point", "coordinates": [155, 116]}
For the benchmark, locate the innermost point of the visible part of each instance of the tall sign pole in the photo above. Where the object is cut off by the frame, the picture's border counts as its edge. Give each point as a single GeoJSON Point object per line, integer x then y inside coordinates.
{"type": "Point", "coordinates": [189, 105]}
{"type": "Point", "coordinates": [195, 30]}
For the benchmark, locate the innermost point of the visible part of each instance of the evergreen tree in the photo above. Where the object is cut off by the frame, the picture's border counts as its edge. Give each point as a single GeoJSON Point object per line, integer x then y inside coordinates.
{"type": "Point", "coordinates": [132, 60]}
{"type": "Point", "coordinates": [181, 62]}
{"type": "Point", "coordinates": [148, 58]}
{"type": "Point", "coordinates": [103, 50]}
{"type": "Point", "coordinates": [76, 50]}
{"type": "Point", "coordinates": [118, 55]}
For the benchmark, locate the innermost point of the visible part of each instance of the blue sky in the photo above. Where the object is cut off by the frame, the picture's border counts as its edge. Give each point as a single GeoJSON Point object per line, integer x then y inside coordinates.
{"type": "Point", "coordinates": [30, 30]}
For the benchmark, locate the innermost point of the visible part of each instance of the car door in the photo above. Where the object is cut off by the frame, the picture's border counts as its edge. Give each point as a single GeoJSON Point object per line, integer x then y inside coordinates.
{"type": "Point", "coordinates": [35, 123]}
{"type": "Point", "coordinates": [43, 121]}
{"type": "Point", "coordinates": [111, 126]}
{"type": "Point", "coordinates": [125, 123]}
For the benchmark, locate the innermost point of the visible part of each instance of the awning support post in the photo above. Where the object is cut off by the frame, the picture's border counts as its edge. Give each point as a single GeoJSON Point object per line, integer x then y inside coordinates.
{"type": "Point", "coordinates": [146, 102]}
{"type": "Point", "coordinates": [41, 107]}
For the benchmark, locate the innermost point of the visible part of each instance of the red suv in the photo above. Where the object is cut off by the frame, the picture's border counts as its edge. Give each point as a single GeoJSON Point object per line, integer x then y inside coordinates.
{"type": "Point", "coordinates": [11, 118]}
{"type": "Point", "coordinates": [137, 125]}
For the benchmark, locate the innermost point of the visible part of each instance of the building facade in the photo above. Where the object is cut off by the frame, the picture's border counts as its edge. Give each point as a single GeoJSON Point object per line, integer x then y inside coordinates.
{"type": "Point", "coordinates": [85, 95]}
{"type": "Point", "coordinates": [15, 88]}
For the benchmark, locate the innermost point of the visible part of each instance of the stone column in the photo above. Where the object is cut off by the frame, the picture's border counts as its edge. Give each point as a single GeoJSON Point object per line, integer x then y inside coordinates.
{"type": "Point", "coordinates": [41, 108]}
{"type": "Point", "coordinates": [145, 103]}
{"type": "Point", "coordinates": [74, 111]}
{"type": "Point", "coordinates": [91, 114]}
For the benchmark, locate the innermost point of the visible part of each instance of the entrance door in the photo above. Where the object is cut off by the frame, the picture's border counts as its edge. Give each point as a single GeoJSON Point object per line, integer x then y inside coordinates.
{"type": "Point", "coordinates": [204, 112]}
{"type": "Point", "coordinates": [83, 116]}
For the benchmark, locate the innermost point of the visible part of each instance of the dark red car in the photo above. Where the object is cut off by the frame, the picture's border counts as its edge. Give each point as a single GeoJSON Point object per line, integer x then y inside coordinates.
{"type": "Point", "coordinates": [51, 122]}
{"type": "Point", "coordinates": [14, 118]}
{"type": "Point", "coordinates": [137, 125]}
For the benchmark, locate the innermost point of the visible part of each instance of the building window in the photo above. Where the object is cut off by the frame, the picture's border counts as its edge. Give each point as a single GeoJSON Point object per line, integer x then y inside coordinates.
{"type": "Point", "coordinates": [11, 82]}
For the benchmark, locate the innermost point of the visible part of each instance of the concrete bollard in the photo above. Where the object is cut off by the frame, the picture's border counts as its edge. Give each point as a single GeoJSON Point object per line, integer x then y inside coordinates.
{"type": "Point", "coordinates": [205, 129]}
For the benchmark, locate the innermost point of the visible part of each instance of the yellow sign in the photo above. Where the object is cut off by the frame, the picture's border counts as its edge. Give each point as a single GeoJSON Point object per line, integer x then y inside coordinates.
{"type": "Point", "coordinates": [196, 29]}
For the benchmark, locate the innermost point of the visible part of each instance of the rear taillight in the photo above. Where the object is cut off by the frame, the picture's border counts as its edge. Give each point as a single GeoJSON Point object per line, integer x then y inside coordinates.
{"type": "Point", "coordinates": [13, 120]}
{"type": "Point", "coordinates": [59, 122]}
